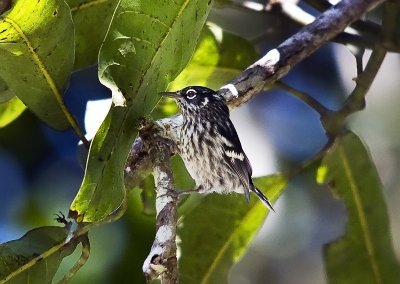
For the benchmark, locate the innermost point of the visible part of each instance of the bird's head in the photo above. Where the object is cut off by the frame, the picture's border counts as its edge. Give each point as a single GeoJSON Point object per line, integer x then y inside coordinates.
{"type": "Point", "coordinates": [195, 99]}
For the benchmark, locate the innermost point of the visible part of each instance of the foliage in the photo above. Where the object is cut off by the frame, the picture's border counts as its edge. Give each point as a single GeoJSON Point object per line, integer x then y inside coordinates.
{"type": "Point", "coordinates": [367, 244]}
{"type": "Point", "coordinates": [234, 224]}
{"type": "Point", "coordinates": [33, 46]}
{"type": "Point", "coordinates": [158, 55]}
{"type": "Point", "coordinates": [33, 258]}
{"type": "Point", "coordinates": [144, 47]}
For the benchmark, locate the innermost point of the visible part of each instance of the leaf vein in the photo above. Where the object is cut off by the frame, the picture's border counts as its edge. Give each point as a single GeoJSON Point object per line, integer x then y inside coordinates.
{"type": "Point", "coordinates": [32, 262]}
{"type": "Point", "coordinates": [88, 4]}
{"type": "Point", "coordinates": [184, 5]}
{"type": "Point", "coordinates": [48, 78]}
{"type": "Point", "coordinates": [148, 16]}
{"type": "Point", "coordinates": [226, 245]}
{"type": "Point", "coordinates": [361, 215]}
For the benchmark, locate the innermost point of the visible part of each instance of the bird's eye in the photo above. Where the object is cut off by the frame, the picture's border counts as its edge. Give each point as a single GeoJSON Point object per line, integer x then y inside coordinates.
{"type": "Point", "coordinates": [191, 94]}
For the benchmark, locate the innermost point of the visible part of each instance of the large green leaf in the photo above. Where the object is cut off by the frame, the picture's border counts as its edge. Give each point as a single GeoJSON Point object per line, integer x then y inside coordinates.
{"type": "Point", "coordinates": [147, 45]}
{"type": "Point", "coordinates": [91, 19]}
{"type": "Point", "coordinates": [219, 57]}
{"type": "Point", "coordinates": [365, 253]}
{"type": "Point", "coordinates": [37, 56]}
{"type": "Point", "coordinates": [35, 257]}
{"type": "Point", "coordinates": [218, 230]}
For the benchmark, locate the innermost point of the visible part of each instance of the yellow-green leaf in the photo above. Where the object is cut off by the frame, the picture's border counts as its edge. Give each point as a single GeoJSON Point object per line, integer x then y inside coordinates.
{"type": "Point", "coordinates": [219, 57]}
{"type": "Point", "coordinates": [37, 56]}
{"type": "Point", "coordinates": [10, 111]}
{"type": "Point", "coordinates": [35, 257]}
{"type": "Point", "coordinates": [215, 234]}
{"type": "Point", "coordinates": [88, 14]}
{"type": "Point", "coordinates": [365, 253]}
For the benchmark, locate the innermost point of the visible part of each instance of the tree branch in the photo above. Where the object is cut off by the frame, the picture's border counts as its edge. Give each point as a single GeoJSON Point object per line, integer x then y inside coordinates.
{"type": "Point", "coordinates": [162, 260]}
{"type": "Point", "coordinates": [278, 62]}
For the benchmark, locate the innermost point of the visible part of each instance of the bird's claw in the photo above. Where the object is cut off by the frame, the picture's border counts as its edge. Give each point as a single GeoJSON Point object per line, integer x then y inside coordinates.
{"type": "Point", "coordinates": [176, 194]}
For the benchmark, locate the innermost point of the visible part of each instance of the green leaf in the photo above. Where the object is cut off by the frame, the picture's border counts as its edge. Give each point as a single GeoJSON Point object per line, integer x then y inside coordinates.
{"type": "Point", "coordinates": [219, 57]}
{"type": "Point", "coordinates": [37, 56]}
{"type": "Point", "coordinates": [365, 253]}
{"type": "Point", "coordinates": [10, 111]}
{"type": "Point", "coordinates": [5, 92]}
{"type": "Point", "coordinates": [147, 45]}
{"type": "Point", "coordinates": [87, 15]}
{"type": "Point", "coordinates": [35, 257]}
{"type": "Point", "coordinates": [216, 233]}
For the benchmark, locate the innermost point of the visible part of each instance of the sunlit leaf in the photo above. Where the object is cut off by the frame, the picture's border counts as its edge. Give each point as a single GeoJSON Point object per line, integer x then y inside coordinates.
{"type": "Point", "coordinates": [87, 15]}
{"type": "Point", "coordinates": [215, 234]}
{"type": "Point", "coordinates": [37, 56]}
{"type": "Point", "coordinates": [219, 57]}
{"type": "Point", "coordinates": [35, 257]}
{"type": "Point", "coordinates": [147, 45]}
{"type": "Point", "coordinates": [10, 111]}
{"type": "Point", "coordinates": [365, 253]}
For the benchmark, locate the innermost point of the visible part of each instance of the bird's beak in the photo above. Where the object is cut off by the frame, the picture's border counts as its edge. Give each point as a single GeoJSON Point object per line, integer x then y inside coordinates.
{"type": "Point", "coordinates": [174, 95]}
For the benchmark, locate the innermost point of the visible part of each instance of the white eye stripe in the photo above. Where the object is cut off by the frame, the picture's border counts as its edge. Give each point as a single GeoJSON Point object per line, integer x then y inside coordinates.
{"type": "Point", "coordinates": [191, 94]}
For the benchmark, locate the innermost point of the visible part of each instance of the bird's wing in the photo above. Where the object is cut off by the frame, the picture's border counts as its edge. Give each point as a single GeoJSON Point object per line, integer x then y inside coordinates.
{"type": "Point", "coordinates": [235, 157]}
{"type": "Point", "coordinates": [237, 160]}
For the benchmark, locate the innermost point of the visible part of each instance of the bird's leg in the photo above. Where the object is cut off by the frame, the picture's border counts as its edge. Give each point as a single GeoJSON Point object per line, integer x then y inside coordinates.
{"type": "Point", "coordinates": [178, 193]}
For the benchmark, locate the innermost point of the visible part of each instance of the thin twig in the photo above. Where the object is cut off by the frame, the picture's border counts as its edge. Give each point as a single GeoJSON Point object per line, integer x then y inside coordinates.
{"type": "Point", "coordinates": [356, 100]}
{"type": "Point", "coordinates": [365, 27]}
{"type": "Point", "coordinates": [306, 98]}
{"type": "Point", "coordinates": [84, 240]}
{"type": "Point", "coordinates": [277, 63]}
{"type": "Point", "coordinates": [348, 36]}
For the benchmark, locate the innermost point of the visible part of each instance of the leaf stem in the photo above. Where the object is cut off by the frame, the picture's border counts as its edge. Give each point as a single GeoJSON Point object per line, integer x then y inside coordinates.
{"type": "Point", "coordinates": [84, 240]}
{"type": "Point", "coordinates": [306, 98]}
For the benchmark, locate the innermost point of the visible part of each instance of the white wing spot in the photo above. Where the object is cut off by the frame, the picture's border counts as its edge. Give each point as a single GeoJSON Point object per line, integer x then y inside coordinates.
{"type": "Point", "coordinates": [234, 155]}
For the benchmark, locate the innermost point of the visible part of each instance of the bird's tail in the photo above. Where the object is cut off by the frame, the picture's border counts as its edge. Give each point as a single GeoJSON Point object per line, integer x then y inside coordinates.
{"type": "Point", "coordinates": [263, 198]}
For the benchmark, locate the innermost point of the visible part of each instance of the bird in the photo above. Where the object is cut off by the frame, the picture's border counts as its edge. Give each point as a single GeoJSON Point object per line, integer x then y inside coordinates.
{"type": "Point", "coordinates": [209, 145]}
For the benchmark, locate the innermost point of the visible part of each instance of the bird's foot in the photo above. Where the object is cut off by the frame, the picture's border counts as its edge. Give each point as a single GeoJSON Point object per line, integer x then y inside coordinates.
{"type": "Point", "coordinates": [177, 193]}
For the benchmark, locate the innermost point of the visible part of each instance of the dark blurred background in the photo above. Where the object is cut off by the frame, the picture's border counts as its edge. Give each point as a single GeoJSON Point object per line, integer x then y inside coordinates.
{"type": "Point", "coordinates": [40, 173]}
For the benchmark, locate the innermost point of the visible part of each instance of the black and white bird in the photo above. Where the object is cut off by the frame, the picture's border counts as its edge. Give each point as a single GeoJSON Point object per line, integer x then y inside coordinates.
{"type": "Point", "coordinates": [209, 145]}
